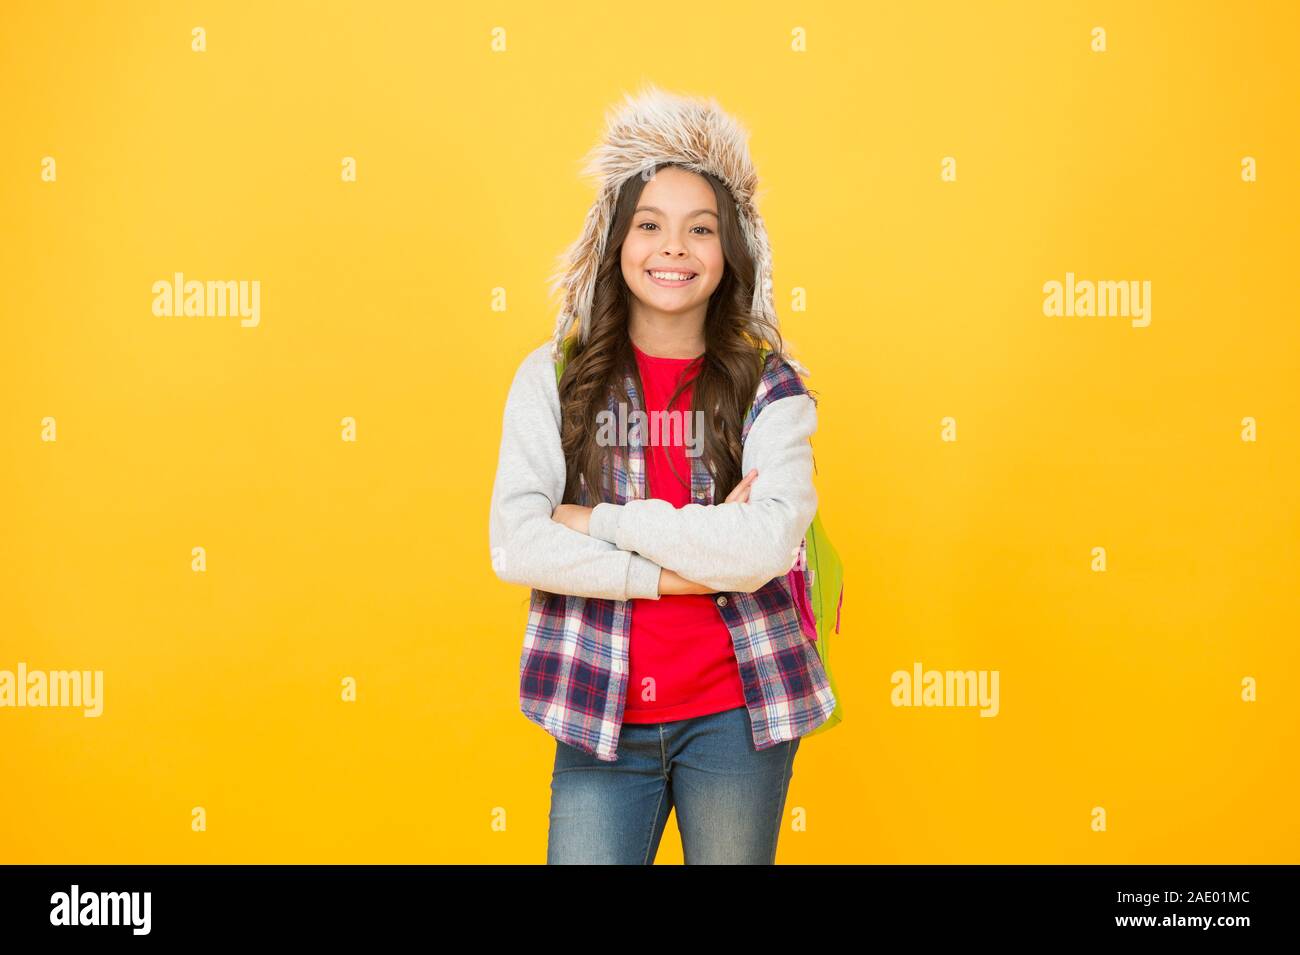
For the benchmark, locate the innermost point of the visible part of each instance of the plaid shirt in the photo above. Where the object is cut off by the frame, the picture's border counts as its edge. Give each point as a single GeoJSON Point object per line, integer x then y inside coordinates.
{"type": "Point", "coordinates": [574, 665]}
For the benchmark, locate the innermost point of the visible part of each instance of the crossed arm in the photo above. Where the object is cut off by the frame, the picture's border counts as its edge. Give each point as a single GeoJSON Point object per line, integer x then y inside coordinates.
{"type": "Point", "coordinates": [528, 547]}
{"type": "Point", "coordinates": [736, 546]}
{"type": "Point", "coordinates": [634, 549]}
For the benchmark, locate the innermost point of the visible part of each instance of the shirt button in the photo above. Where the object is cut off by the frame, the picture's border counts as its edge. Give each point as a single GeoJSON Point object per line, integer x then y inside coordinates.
{"type": "Point", "coordinates": [722, 600]}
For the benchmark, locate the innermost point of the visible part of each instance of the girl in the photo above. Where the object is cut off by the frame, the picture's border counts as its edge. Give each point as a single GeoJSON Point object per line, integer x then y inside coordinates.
{"type": "Point", "coordinates": [664, 649]}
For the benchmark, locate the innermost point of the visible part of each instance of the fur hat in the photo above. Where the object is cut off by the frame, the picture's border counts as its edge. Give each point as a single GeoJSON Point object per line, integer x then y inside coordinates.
{"type": "Point", "coordinates": [650, 128]}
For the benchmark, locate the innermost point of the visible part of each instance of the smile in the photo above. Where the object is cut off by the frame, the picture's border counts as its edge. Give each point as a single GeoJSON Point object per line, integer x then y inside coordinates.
{"type": "Point", "coordinates": [671, 279]}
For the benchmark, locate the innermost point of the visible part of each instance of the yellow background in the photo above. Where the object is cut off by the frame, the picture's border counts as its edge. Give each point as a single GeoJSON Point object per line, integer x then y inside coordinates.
{"type": "Point", "coordinates": [328, 559]}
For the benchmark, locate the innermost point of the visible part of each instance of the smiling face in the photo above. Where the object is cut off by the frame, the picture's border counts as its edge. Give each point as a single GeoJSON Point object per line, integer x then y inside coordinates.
{"type": "Point", "coordinates": [672, 257]}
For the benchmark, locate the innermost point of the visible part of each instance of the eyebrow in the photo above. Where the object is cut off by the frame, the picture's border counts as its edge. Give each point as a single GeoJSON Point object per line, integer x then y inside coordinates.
{"type": "Point", "coordinates": [689, 215]}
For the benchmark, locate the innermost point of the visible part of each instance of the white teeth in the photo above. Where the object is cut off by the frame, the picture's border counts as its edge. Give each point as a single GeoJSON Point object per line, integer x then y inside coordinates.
{"type": "Point", "coordinates": [673, 276]}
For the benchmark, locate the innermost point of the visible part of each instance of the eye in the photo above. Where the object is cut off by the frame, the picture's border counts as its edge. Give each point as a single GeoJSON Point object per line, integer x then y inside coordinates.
{"type": "Point", "coordinates": [706, 230]}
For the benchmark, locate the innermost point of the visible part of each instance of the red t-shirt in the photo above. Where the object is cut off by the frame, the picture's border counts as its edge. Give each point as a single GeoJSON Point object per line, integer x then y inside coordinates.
{"type": "Point", "coordinates": [680, 640]}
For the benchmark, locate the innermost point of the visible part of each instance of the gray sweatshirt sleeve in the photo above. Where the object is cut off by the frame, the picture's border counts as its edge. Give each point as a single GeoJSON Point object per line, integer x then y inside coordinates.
{"type": "Point", "coordinates": [527, 546]}
{"type": "Point", "coordinates": [737, 546]}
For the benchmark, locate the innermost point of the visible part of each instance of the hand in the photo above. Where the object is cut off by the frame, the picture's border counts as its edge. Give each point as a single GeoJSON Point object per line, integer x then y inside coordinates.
{"type": "Point", "coordinates": [573, 515]}
{"type": "Point", "coordinates": [671, 582]}
{"type": "Point", "coordinates": [741, 492]}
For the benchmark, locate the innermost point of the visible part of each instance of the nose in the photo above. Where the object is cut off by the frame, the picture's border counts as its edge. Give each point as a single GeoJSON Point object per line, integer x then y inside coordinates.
{"type": "Point", "coordinates": [673, 246]}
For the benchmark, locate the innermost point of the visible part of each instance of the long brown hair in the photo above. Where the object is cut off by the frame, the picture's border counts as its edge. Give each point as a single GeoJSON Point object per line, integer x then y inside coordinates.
{"type": "Point", "coordinates": [729, 369]}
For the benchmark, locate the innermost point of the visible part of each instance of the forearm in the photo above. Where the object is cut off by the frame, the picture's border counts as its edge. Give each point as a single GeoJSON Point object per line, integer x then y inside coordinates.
{"type": "Point", "coordinates": [736, 546]}
{"type": "Point", "coordinates": [538, 552]}
{"type": "Point", "coordinates": [764, 542]}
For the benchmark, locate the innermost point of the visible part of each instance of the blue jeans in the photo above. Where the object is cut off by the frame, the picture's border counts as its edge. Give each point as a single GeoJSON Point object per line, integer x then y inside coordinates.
{"type": "Point", "coordinates": [730, 797]}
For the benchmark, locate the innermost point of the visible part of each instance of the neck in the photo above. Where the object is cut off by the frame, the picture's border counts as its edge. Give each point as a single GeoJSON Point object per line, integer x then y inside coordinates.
{"type": "Point", "coordinates": [667, 336]}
